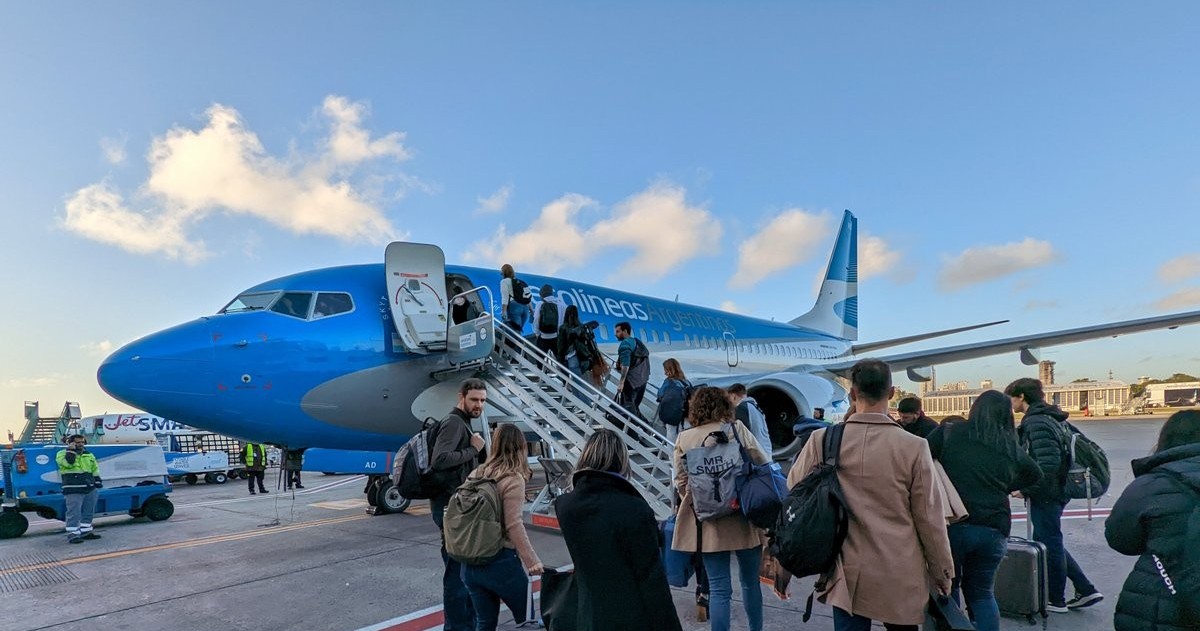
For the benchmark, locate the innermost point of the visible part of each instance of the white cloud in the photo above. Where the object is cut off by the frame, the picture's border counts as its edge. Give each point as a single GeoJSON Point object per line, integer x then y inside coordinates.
{"type": "Point", "coordinates": [30, 382]}
{"type": "Point", "coordinates": [553, 241]}
{"type": "Point", "coordinates": [99, 213]}
{"type": "Point", "coordinates": [985, 263]}
{"type": "Point", "coordinates": [661, 228]}
{"type": "Point", "coordinates": [113, 150]}
{"type": "Point", "coordinates": [1181, 299]}
{"type": "Point", "coordinates": [657, 224]}
{"type": "Point", "coordinates": [877, 258]}
{"type": "Point", "coordinates": [1180, 268]}
{"type": "Point", "coordinates": [99, 349]}
{"type": "Point", "coordinates": [349, 143]}
{"type": "Point", "coordinates": [792, 237]}
{"type": "Point", "coordinates": [730, 306]}
{"type": "Point", "coordinates": [224, 167]}
{"type": "Point", "coordinates": [496, 202]}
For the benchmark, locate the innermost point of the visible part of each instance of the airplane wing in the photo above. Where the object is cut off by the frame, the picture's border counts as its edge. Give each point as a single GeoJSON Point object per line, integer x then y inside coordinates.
{"type": "Point", "coordinates": [1025, 345]}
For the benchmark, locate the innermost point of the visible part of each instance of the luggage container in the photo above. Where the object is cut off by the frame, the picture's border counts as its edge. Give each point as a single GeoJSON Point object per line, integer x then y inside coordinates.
{"type": "Point", "coordinates": [134, 477]}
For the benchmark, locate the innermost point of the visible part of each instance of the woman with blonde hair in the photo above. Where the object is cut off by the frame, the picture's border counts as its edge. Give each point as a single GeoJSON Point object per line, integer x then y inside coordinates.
{"type": "Point", "coordinates": [710, 411]}
{"type": "Point", "coordinates": [612, 536]}
{"type": "Point", "coordinates": [506, 576]}
{"type": "Point", "coordinates": [673, 397]}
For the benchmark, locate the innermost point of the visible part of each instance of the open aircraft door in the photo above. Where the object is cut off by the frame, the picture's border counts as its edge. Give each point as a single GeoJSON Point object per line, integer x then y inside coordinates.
{"type": "Point", "coordinates": [731, 349]}
{"type": "Point", "coordinates": [474, 338]}
{"type": "Point", "coordinates": [416, 284]}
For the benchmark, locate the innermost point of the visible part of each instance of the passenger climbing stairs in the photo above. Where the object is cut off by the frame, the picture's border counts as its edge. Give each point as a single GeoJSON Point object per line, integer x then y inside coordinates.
{"type": "Point", "coordinates": [531, 388]}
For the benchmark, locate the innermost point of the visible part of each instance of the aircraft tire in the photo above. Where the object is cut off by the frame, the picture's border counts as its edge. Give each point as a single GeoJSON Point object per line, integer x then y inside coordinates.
{"type": "Point", "coordinates": [191, 478]}
{"type": "Point", "coordinates": [158, 508]}
{"type": "Point", "coordinates": [787, 452]}
{"type": "Point", "coordinates": [220, 478]}
{"type": "Point", "coordinates": [372, 491]}
{"type": "Point", "coordinates": [12, 525]}
{"type": "Point", "coordinates": [388, 499]}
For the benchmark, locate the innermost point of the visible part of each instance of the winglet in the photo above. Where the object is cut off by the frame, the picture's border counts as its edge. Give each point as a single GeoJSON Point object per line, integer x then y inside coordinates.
{"type": "Point", "coordinates": [836, 310]}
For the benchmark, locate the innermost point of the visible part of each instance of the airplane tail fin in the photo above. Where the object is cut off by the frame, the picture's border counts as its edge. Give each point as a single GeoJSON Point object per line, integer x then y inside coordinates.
{"type": "Point", "coordinates": [836, 311]}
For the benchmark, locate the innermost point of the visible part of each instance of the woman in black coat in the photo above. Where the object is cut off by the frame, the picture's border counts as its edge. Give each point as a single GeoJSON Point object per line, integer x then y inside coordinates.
{"type": "Point", "coordinates": [1151, 519]}
{"type": "Point", "coordinates": [613, 539]}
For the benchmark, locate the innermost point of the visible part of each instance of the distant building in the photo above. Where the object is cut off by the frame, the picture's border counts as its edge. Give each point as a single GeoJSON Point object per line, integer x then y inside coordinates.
{"type": "Point", "coordinates": [1046, 372]}
{"type": "Point", "coordinates": [1177, 395]}
{"type": "Point", "coordinates": [1098, 397]}
{"type": "Point", "coordinates": [986, 384]}
{"type": "Point", "coordinates": [931, 385]}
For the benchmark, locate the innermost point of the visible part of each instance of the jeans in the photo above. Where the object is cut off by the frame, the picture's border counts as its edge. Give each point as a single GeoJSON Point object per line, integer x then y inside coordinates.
{"type": "Point", "coordinates": [80, 508]}
{"type": "Point", "coordinates": [573, 366]}
{"type": "Point", "coordinates": [843, 621]}
{"type": "Point", "coordinates": [1046, 518]}
{"type": "Point", "coordinates": [978, 551]}
{"type": "Point", "coordinates": [516, 316]}
{"type": "Point", "coordinates": [456, 601]}
{"type": "Point", "coordinates": [720, 587]}
{"type": "Point", "coordinates": [502, 578]}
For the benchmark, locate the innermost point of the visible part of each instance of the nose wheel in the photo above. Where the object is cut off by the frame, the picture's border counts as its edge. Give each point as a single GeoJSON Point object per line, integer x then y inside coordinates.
{"type": "Point", "coordinates": [386, 498]}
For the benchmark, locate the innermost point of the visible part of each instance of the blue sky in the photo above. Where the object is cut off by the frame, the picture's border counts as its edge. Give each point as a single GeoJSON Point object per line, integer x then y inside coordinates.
{"type": "Point", "coordinates": [1022, 161]}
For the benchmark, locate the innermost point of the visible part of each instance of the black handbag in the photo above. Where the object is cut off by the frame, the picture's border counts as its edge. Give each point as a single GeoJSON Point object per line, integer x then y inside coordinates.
{"type": "Point", "coordinates": [560, 600]}
{"type": "Point", "coordinates": [943, 614]}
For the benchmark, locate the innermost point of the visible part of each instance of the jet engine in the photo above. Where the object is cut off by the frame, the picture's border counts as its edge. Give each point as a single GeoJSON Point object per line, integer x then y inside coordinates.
{"type": "Point", "coordinates": [785, 397]}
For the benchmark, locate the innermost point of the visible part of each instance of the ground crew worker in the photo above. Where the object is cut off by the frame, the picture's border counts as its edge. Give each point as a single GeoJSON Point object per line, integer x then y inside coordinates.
{"type": "Point", "coordinates": [80, 478]}
{"type": "Point", "coordinates": [254, 456]}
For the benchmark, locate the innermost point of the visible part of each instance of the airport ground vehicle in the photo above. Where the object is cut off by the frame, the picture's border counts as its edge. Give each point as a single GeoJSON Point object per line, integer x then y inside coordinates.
{"type": "Point", "coordinates": [134, 476]}
{"type": "Point", "coordinates": [211, 466]}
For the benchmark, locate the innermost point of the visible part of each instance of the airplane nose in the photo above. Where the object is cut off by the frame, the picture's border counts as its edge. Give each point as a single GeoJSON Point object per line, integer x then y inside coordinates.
{"type": "Point", "coordinates": [158, 372]}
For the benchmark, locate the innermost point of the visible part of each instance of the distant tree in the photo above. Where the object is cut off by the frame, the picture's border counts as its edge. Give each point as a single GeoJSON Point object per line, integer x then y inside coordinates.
{"type": "Point", "coordinates": [1139, 389]}
{"type": "Point", "coordinates": [1083, 380]}
{"type": "Point", "coordinates": [1179, 377]}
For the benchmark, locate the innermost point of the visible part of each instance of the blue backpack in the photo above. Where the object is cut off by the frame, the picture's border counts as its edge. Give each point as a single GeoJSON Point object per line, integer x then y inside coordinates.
{"type": "Point", "coordinates": [673, 404]}
{"type": "Point", "coordinates": [760, 490]}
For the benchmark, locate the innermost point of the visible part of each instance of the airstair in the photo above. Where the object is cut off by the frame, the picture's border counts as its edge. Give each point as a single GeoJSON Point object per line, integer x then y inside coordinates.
{"type": "Point", "coordinates": [53, 429]}
{"type": "Point", "coordinates": [530, 387]}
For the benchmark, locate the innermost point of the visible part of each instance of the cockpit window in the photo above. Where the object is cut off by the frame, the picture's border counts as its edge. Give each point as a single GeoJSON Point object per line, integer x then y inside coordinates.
{"type": "Point", "coordinates": [332, 304]}
{"type": "Point", "coordinates": [293, 303]}
{"type": "Point", "coordinates": [250, 302]}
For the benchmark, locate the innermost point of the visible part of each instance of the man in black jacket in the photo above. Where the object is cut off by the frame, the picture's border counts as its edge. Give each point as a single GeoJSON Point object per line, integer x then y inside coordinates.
{"type": "Point", "coordinates": [913, 419]}
{"type": "Point", "coordinates": [1044, 433]}
{"type": "Point", "coordinates": [456, 450]}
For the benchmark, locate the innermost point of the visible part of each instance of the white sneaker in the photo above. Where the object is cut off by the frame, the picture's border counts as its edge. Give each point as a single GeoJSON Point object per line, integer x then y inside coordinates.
{"type": "Point", "coordinates": [1056, 608]}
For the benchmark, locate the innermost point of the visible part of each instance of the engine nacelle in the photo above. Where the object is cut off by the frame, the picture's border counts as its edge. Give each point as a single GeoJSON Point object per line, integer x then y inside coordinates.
{"type": "Point", "coordinates": [785, 397]}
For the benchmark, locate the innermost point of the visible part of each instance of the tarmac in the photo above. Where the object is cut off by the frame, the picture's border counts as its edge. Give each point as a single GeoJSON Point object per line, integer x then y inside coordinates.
{"type": "Point", "coordinates": [314, 559]}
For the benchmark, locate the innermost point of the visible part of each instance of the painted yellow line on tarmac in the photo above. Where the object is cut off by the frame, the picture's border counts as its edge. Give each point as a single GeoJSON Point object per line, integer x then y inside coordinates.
{"type": "Point", "coordinates": [237, 536]}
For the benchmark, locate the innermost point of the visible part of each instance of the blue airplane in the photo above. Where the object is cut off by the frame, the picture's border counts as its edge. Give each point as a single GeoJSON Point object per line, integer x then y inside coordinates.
{"type": "Point", "coordinates": [346, 357]}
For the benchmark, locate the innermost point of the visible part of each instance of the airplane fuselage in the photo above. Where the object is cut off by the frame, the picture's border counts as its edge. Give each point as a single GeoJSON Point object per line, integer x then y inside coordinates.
{"type": "Point", "coordinates": [346, 380]}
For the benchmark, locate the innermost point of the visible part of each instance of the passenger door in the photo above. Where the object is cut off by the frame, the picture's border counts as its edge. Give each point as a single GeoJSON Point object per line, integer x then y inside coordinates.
{"type": "Point", "coordinates": [416, 284]}
{"type": "Point", "coordinates": [731, 349]}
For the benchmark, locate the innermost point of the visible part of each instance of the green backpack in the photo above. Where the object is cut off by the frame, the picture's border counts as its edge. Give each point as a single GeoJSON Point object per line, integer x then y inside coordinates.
{"type": "Point", "coordinates": [474, 522]}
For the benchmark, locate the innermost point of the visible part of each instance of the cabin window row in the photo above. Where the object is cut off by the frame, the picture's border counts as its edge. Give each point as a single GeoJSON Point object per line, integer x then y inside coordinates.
{"type": "Point", "coordinates": [654, 336]}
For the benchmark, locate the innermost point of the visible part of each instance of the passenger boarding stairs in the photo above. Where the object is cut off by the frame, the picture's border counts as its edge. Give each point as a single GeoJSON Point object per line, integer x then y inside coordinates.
{"type": "Point", "coordinates": [54, 429]}
{"type": "Point", "coordinates": [533, 389]}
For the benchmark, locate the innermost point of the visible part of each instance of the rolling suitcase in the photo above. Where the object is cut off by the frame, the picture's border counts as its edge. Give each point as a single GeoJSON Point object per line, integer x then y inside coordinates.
{"type": "Point", "coordinates": [1021, 587]}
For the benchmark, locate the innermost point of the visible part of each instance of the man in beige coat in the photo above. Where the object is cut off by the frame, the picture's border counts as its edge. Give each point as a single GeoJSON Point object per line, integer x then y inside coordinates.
{"type": "Point", "coordinates": [896, 550]}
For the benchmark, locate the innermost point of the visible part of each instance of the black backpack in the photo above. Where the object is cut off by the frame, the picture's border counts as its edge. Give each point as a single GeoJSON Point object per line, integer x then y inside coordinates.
{"type": "Point", "coordinates": [640, 353]}
{"type": "Point", "coordinates": [548, 320]}
{"type": "Point", "coordinates": [813, 522]}
{"type": "Point", "coordinates": [521, 293]}
{"type": "Point", "coordinates": [1088, 474]}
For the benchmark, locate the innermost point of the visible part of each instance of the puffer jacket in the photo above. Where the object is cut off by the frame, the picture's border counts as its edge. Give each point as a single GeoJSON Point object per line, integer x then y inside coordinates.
{"type": "Point", "coordinates": [1151, 518]}
{"type": "Point", "coordinates": [1043, 432]}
